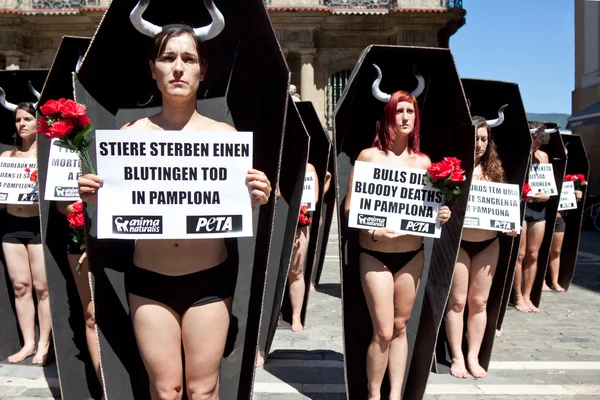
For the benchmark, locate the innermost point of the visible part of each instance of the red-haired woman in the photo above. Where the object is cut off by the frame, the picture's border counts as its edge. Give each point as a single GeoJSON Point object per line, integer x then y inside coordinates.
{"type": "Point", "coordinates": [476, 264]}
{"type": "Point", "coordinates": [391, 263]}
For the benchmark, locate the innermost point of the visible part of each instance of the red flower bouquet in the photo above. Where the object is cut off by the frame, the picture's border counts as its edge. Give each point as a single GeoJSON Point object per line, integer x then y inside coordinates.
{"type": "Point", "coordinates": [67, 121]}
{"type": "Point", "coordinates": [77, 222]}
{"type": "Point", "coordinates": [526, 191]}
{"type": "Point", "coordinates": [304, 218]}
{"type": "Point", "coordinates": [577, 179]}
{"type": "Point", "coordinates": [446, 176]}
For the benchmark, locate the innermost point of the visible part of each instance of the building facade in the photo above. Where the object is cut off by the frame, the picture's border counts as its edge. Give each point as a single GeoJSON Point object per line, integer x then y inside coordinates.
{"type": "Point", "coordinates": [321, 39]}
{"type": "Point", "coordinates": [587, 79]}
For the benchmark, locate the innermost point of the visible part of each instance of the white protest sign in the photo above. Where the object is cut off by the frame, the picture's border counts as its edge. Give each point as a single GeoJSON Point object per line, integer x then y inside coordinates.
{"type": "Point", "coordinates": [493, 206]}
{"type": "Point", "coordinates": [16, 186]}
{"type": "Point", "coordinates": [308, 192]}
{"type": "Point", "coordinates": [389, 196]}
{"type": "Point", "coordinates": [541, 179]}
{"type": "Point", "coordinates": [63, 173]}
{"type": "Point", "coordinates": [568, 201]}
{"type": "Point", "coordinates": [173, 184]}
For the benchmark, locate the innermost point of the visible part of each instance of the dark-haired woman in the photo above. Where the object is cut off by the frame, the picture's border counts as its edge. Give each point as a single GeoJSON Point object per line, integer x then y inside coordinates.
{"type": "Point", "coordinates": [391, 263]}
{"type": "Point", "coordinates": [22, 247]}
{"type": "Point", "coordinates": [180, 291]}
{"type": "Point", "coordinates": [475, 268]}
{"type": "Point", "coordinates": [534, 227]}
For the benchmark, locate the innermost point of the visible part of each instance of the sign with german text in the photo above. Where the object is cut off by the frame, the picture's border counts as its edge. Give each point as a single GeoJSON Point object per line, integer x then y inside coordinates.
{"type": "Point", "coordinates": [63, 173]}
{"type": "Point", "coordinates": [568, 201]}
{"type": "Point", "coordinates": [394, 197]}
{"type": "Point", "coordinates": [493, 206]}
{"type": "Point", "coordinates": [541, 179]}
{"type": "Point", "coordinates": [16, 187]}
{"type": "Point", "coordinates": [173, 184]}
{"type": "Point", "coordinates": [308, 191]}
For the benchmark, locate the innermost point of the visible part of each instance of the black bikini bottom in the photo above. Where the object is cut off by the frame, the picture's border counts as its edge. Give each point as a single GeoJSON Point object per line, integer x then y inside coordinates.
{"type": "Point", "coordinates": [474, 248]}
{"type": "Point", "coordinates": [20, 230]}
{"type": "Point", "coordinates": [560, 225]}
{"type": "Point", "coordinates": [184, 291]}
{"type": "Point", "coordinates": [393, 261]}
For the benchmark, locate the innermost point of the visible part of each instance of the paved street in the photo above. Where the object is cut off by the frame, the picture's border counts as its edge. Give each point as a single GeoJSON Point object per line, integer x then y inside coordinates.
{"type": "Point", "coordinates": [552, 355]}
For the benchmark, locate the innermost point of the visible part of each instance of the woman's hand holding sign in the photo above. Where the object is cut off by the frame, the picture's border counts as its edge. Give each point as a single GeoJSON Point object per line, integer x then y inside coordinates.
{"type": "Point", "coordinates": [385, 234]}
{"type": "Point", "coordinates": [260, 187]}
{"type": "Point", "coordinates": [88, 187]}
{"type": "Point", "coordinates": [538, 197]}
{"type": "Point", "coordinates": [444, 214]}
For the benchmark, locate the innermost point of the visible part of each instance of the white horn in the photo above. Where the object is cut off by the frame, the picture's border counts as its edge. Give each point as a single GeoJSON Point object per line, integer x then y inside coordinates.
{"type": "Point", "coordinates": [492, 123]}
{"type": "Point", "coordinates": [35, 92]}
{"type": "Point", "coordinates": [552, 130]}
{"type": "Point", "coordinates": [421, 85]}
{"type": "Point", "coordinates": [215, 27]}
{"type": "Point", "coordinates": [379, 95]}
{"type": "Point", "coordinates": [9, 106]}
{"type": "Point", "coordinates": [143, 26]}
{"type": "Point", "coordinates": [533, 130]}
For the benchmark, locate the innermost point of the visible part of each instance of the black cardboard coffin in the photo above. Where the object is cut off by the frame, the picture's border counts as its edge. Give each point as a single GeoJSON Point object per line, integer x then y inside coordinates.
{"type": "Point", "coordinates": [446, 130]}
{"type": "Point", "coordinates": [246, 85]}
{"type": "Point", "coordinates": [513, 142]}
{"type": "Point", "coordinates": [77, 376]}
{"type": "Point", "coordinates": [15, 85]}
{"type": "Point", "coordinates": [327, 213]}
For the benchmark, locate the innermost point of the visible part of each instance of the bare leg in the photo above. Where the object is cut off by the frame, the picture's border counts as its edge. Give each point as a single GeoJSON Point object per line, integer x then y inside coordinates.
{"type": "Point", "coordinates": [483, 267]}
{"type": "Point", "coordinates": [17, 265]}
{"type": "Point", "coordinates": [406, 284]}
{"type": "Point", "coordinates": [85, 295]}
{"type": "Point", "coordinates": [378, 287]}
{"type": "Point", "coordinates": [260, 361]}
{"type": "Point", "coordinates": [158, 335]}
{"type": "Point", "coordinates": [498, 333]}
{"type": "Point", "coordinates": [204, 331]}
{"type": "Point", "coordinates": [535, 236]}
{"type": "Point", "coordinates": [40, 284]}
{"type": "Point", "coordinates": [296, 276]}
{"type": "Point", "coordinates": [520, 305]}
{"type": "Point", "coordinates": [455, 312]}
{"type": "Point", "coordinates": [557, 242]}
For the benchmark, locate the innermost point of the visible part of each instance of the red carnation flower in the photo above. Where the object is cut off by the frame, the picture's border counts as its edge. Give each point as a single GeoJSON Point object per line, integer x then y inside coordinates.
{"type": "Point", "coordinates": [59, 129]}
{"type": "Point", "coordinates": [458, 176]}
{"type": "Point", "coordinates": [570, 178]}
{"type": "Point", "coordinates": [83, 120]}
{"type": "Point", "coordinates": [33, 177]}
{"type": "Point", "coordinates": [526, 191]}
{"type": "Point", "coordinates": [28, 170]}
{"type": "Point", "coordinates": [76, 220]}
{"type": "Point", "coordinates": [440, 170]}
{"type": "Point", "coordinates": [455, 162]}
{"type": "Point", "coordinates": [69, 109]}
{"type": "Point", "coordinates": [581, 178]}
{"type": "Point", "coordinates": [50, 108]}
{"type": "Point", "coordinates": [78, 207]}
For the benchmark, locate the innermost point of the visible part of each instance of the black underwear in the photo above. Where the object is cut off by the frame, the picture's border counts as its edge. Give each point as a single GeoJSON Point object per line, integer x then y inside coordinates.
{"type": "Point", "coordinates": [393, 261]}
{"type": "Point", "coordinates": [535, 212]}
{"type": "Point", "coordinates": [474, 248]}
{"type": "Point", "coordinates": [560, 225]}
{"type": "Point", "coordinates": [184, 291]}
{"type": "Point", "coordinates": [20, 230]}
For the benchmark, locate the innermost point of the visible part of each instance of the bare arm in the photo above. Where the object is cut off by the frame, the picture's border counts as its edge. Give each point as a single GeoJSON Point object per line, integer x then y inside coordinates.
{"type": "Point", "coordinates": [367, 156]}
{"type": "Point", "coordinates": [311, 168]}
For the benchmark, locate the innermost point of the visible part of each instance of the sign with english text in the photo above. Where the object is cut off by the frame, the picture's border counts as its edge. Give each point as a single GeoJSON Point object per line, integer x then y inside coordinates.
{"type": "Point", "coordinates": [308, 192]}
{"type": "Point", "coordinates": [541, 179]}
{"type": "Point", "coordinates": [16, 186]}
{"type": "Point", "coordinates": [173, 184]}
{"type": "Point", "coordinates": [493, 206]}
{"type": "Point", "coordinates": [568, 201]}
{"type": "Point", "coordinates": [63, 173]}
{"type": "Point", "coordinates": [394, 197]}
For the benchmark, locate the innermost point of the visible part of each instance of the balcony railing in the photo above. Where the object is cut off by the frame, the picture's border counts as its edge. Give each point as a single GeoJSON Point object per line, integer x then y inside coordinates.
{"type": "Point", "coordinates": [370, 4]}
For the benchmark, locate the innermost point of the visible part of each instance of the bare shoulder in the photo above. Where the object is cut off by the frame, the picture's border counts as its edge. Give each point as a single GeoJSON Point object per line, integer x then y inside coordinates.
{"type": "Point", "coordinates": [543, 156]}
{"type": "Point", "coordinates": [423, 161]}
{"type": "Point", "coordinates": [368, 155]}
{"type": "Point", "coordinates": [310, 168]}
{"type": "Point", "coordinates": [138, 124]}
{"type": "Point", "coordinates": [5, 153]}
{"type": "Point", "coordinates": [221, 127]}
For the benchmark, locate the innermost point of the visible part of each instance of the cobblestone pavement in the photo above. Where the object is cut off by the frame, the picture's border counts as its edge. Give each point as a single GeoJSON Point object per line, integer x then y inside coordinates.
{"type": "Point", "coordinates": [552, 355]}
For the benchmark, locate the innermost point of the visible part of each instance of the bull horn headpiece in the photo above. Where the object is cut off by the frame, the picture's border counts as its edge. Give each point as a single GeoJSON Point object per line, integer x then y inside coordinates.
{"type": "Point", "coordinates": [9, 106]}
{"type": "Point", "coordinates": [385, 97]}
{"type": "Point", "coordinates": [492, 123]}
{"type": "Point", "coordinates": [204, 33]}
{"type": "Point", "coordinates": [37, 94]}
{"type": "Point", "coordinates": [551, 130]}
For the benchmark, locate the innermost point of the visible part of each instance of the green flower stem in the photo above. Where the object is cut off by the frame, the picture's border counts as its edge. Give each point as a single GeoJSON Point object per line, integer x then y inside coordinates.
{"type": "Point", "coordinates": [86, 160]}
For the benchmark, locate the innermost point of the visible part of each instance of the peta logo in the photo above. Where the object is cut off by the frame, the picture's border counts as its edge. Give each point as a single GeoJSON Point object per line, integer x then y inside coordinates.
{"type": "Point", "coordinates": [3, 196]}
{"type": "Point", "coordinates": [129, 224]}
{"type": "Point", "coordinates": [61, 191]}
{"type": "Point", "coordinates": [371, 220]}
{"type": "Point", "coordinates": [504, 225]}
{"type": "Point", "coordinates": [214, 223]}
{"type": "Point", "coordinates": [471, 221]}
{"type": "Point", "coordinates": [417, 226]}
{"type": "Point", "coordinates": [33, 197]}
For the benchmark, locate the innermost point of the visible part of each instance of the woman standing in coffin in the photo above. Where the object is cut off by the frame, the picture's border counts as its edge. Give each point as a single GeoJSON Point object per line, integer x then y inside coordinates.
{"type": "Point", "coordinates": [476, 264]}
{"type": "Point", "coordinates": [180, 291]}
{"type": "Point", "coordinates": [22, 246]}
{"type": "Point", "coordinates": [391, 263]}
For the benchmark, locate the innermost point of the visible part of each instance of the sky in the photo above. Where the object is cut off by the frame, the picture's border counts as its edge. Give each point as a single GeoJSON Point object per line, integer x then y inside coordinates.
{"type": "Point", "coordinates": [530, 42]}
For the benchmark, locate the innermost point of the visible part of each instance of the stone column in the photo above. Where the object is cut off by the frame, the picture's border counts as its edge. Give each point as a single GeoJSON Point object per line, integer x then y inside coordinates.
{"type": "Point", "coordinates": [12, 61]}
{"type": "Point", "coordinates": [307, 74]}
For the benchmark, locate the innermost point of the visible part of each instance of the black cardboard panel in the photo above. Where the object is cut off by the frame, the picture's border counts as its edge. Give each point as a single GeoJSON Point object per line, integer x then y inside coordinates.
{"type": "Point", "coordinates": [317, 156]}
{"type": "Point", "coordinates": [558, 159]}
{"type": "Point", "coordinates": [446, 130]}
{"type": "Point", "coordinates": [577, 163]}
{"type": "Point", "coordinates": [77, 376]}
{"type": "Point", "coordinates": [291, 180]}
{"type": "Point", "coordinates": [246, 67]}
{"type": "Point", "coordinates": [327, 212]}
{"type": "Point", "coordinates": [513, 142]}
